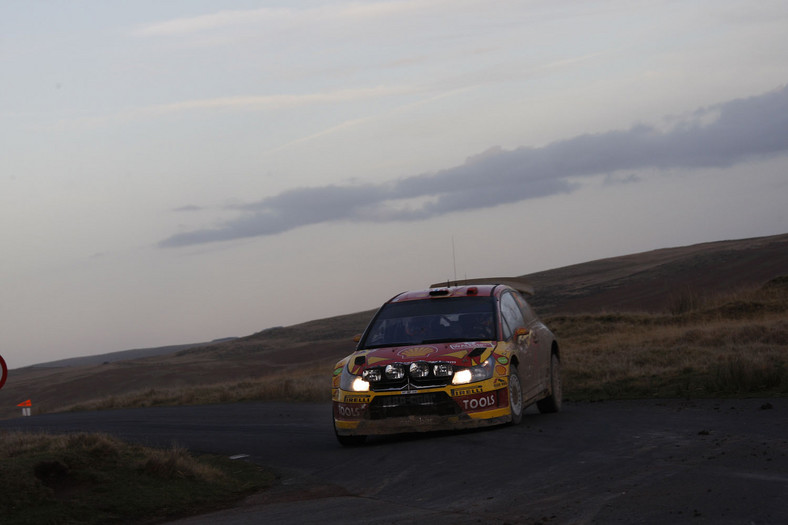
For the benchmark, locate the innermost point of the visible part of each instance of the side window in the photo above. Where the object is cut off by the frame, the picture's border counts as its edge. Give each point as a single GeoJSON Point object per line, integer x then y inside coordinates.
{"type": "Point", "coordinates": [525, 308]}
{"type": "Point", "coordinates": [511, 316]}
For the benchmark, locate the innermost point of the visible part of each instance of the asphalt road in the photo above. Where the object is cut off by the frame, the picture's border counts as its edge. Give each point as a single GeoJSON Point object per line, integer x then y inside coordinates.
{"type": "Point", "coordinates": [654, 462]}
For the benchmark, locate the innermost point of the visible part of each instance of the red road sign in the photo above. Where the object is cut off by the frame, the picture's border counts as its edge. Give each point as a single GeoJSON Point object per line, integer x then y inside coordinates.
{"type": "Point", "coordinates": [4, 374]}
{"type": "Point", "coordinates": [25, 404]}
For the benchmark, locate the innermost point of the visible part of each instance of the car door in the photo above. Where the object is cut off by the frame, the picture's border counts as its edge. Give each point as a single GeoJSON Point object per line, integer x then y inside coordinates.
{"type": "Point", "coordinates": [512, 319]}
{"type": "Point", "coordinates": [540, 341]}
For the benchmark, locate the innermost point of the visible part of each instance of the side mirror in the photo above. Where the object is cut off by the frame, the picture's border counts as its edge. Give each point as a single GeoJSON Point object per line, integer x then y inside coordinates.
{"type": "Point", "coordinates": [521, 334]}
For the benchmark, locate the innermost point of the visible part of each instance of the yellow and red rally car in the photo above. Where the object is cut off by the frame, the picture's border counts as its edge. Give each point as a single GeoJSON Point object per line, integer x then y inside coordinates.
{"type": "Point", "coordinates": [448, 357]}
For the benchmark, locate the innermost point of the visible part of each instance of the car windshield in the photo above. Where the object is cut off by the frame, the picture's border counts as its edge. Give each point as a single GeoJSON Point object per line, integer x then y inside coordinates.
{"type": "Point", "coordinates": [433, 321]}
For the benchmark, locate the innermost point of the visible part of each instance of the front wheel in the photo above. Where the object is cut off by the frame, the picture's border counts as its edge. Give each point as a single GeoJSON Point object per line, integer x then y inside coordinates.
{"type": "Point", "coordinates": [515, 396]}
{"type": "Point", "coordinates": [552, 403]}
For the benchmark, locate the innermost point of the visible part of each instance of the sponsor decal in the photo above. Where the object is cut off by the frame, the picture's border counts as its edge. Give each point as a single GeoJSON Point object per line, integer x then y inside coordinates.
{"type": "Point", "coordinates": [469, 346]}
{"type": "Point", "coordinates": [417, 351]}
{"type": "Point", "coordinates": [357, 399]}
{"type": "Point", "coordinates": [500, 382]}
{"type": "Point", "coordinates": [455, 392]}
{"type": "Point", "coordinates": [352, 411]}
{"type": "Point", "coordinates": [503, 360]}
{"type": "Point", "coordinates": [337, 370]}
{"type": "Point", "coordinates": [478, 402]}
{"type": "Point", "coordinates": [500, 370]}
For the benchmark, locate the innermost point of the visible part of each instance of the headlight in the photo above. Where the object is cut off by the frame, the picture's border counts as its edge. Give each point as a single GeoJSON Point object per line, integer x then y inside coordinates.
{"type": "Point", "coordinates": [359, 385]}
{"type": "Point", "coordinates": [462, 376]}
{"type": "Point", "coordinates": [419, 370]}
{"type": "Point", "coordinates": [396, 371]}
{"type": "Point", "coordinates": [372, 375]}
{"type": "Point", "coordinates": [442, 370]}
{"type": "Point", "coordinates": [352, 383]}
{"type": "Point", "coordinates": [474, 373]}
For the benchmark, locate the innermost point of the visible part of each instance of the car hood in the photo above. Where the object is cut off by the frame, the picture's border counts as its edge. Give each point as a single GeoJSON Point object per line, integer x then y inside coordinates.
{"type": "Point", "coordinates": [459, 354]}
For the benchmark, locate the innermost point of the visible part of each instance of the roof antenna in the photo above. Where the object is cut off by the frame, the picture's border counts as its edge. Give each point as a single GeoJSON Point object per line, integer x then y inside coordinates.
{"type": "Point", "coordinates": [453, 258]}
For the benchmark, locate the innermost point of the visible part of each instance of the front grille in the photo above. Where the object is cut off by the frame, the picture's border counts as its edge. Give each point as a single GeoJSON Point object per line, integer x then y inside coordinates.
{"type": "Point", "coordinates": [432, 404]}
{"type": "Point", "coordinates": [406, 383]}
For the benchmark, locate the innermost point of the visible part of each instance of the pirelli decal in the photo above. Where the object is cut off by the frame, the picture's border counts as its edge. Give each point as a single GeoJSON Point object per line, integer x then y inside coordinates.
{"type": "Point", "coordinates": [356, 399]}
{"type": "Point", "coordinates": [466, 391]}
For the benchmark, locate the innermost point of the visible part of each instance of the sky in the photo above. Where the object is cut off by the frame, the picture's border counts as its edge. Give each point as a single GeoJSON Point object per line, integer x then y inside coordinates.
{"type": "Point", "coordinates": [182, 171]}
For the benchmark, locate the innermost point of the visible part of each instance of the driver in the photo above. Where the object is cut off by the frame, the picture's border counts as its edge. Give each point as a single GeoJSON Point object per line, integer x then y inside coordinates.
{"type": "Point", "coordinates": [479, 326]}
{"type": "Point", "coordinates": [417, 328]}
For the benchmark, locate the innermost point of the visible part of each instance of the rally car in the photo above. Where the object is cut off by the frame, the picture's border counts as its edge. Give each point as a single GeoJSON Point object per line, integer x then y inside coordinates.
{"type": "Point", "coordinates": [462, 355]}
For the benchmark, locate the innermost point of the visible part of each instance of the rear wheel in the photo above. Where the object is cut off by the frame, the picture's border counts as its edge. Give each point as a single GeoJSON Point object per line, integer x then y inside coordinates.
{"type": "Point", "coordinates": [515, 396]}
{"type": "Point", "coordinates": [552, 403]}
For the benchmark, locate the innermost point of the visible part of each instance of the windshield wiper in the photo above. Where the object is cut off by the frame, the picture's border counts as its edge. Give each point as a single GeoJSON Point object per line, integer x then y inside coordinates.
{"type": "Point", "coordinates": [387, 344]}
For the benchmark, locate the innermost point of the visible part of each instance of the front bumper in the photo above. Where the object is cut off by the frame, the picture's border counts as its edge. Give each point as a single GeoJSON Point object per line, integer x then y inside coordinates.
{"type": "Point", "coordinates": [454, 407]}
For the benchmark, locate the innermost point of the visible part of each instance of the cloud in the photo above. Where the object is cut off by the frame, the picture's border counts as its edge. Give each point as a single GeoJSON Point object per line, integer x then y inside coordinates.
{"type": "Point", "coordinates": [270, 102]}
{"type": "Point", "coordinates": [351, 12]}
{"type": "Point", "coordinates": [249, 103]}
{"type": "Point", "coordinates": [221, 19]}
{"type": "Point", "coordinates": [718, 136]}
{"type": "Point", "coordinates": [188, 208]}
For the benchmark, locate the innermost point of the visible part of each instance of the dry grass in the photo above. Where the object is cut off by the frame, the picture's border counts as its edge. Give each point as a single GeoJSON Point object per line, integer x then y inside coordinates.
{"type": "Point", "coordinates": [302, 384]}
{"type": "Point", "coordinates": [96, 478]}
{"type": "Point", "coordinates": [170, 463]}
{"type": "Point", "coordinates": [727, 345]}
{"type": "Point", "coordinates": [177, 462]}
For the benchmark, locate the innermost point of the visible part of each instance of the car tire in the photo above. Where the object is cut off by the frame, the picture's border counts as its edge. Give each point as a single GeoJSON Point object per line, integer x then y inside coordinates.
{"type": "Point", "coordinates": [552, 403]}
{"type": "Point", "coordinates": [515, 396]}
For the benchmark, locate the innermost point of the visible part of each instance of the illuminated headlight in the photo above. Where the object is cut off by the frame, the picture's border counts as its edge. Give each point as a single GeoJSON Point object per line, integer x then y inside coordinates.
{"type": "Point", "coordinates": [352, 383]}
{"type": "Point", "coordinates": [474, 373]}
{"type": "Point", "coordinates": [462, 376]}
{"type": "Point", "coordinates": [372, 375]}
{"type": "Point", "coordinates": [442, 370]}
{"type": "Point", "coordinates": [395, 371]}
{"type": "Point", "coordinates": [419, 370]}
{"type": "Point", "coordinates": [359, 385]}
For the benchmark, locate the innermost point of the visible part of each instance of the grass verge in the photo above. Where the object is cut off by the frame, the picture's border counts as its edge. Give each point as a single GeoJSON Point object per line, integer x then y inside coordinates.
{"type": "Point", "coordinates": [728, 346]}
{"type": "Point", "coordinates": [96, 478]}
{"type": "Point", "coordinates": [310, 384]}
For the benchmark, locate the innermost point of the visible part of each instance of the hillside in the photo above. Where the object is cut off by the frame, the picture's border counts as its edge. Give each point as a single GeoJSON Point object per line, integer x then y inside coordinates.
{"type": "Point", "coordinates": [652, 281]}
{"type": "Point", "coordinates": [124, 355]}
{"type": "Point", "coordinates": [662, 282]}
